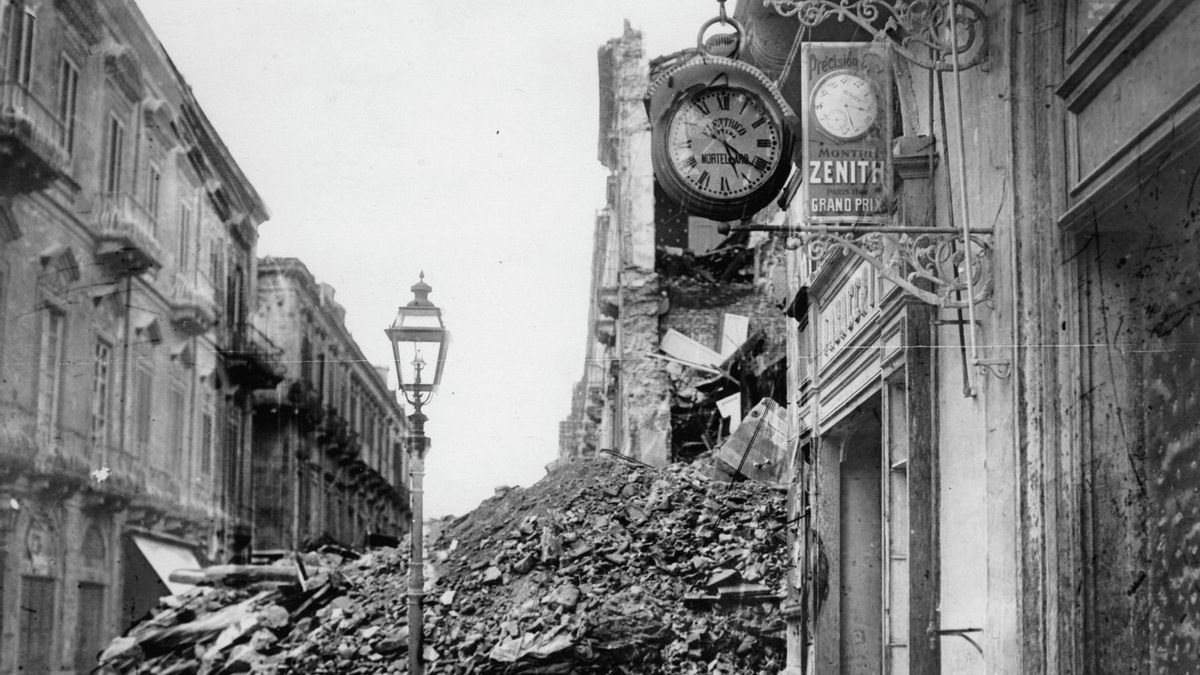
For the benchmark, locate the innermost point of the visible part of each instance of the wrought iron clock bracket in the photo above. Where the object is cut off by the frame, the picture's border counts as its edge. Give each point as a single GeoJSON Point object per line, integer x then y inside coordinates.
{"type": "Point", "coordinates": [929, 33]}
{"type": "Point", "coordinates": [905, 256]}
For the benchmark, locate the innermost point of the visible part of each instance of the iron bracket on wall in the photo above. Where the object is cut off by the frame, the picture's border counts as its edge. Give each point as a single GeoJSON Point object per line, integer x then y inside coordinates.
{"type": "Point", "coordinates": [904, 256]}
{"type": "Point", "coordinates": [919, 30]}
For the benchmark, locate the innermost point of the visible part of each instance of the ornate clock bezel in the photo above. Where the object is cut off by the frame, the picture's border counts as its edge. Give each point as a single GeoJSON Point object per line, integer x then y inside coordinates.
{"type": "Point", "coordinates": [667, 96]}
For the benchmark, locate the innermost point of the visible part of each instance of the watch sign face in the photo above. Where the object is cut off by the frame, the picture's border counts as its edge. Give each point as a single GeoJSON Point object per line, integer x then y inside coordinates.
{"type": "Point", "coordinates": [723, 142]}
{"type": "Point", "coordinates": [847, 120]}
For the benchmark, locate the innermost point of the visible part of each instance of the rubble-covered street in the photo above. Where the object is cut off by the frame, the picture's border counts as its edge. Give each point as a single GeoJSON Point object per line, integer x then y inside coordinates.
{"type": "Point", "coordinates": [604, 566]}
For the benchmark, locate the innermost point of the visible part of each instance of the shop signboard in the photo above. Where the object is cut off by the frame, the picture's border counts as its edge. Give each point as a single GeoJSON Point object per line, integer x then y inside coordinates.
{"type": "Point", "coordinates": [847, 122]}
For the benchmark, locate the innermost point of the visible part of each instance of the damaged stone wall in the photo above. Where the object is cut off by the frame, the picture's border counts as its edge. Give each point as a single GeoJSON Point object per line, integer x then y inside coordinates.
{"type": "Point", "coordinates": [644, 386]}
{"type": "Point", "coordinates": [695, 309]}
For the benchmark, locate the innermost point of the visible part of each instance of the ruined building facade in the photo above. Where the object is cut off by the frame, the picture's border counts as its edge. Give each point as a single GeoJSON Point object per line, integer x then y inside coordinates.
{"type": "Point", "coordinates": [1006, 487]}
{"type": "Point", "coordinates": [127, 360]}
{"type": "Point", "coordinates": [679, 313]}
{"type": "Point", "coordinates": [328, 450]}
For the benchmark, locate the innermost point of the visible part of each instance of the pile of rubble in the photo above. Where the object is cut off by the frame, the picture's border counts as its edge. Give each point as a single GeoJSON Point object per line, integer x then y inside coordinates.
{"type": "Point", "coordinates": [603, 566]}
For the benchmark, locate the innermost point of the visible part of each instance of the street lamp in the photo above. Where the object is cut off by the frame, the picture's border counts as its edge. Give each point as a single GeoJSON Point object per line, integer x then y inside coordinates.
{"type": "Point", "coordinates": [419, 340]}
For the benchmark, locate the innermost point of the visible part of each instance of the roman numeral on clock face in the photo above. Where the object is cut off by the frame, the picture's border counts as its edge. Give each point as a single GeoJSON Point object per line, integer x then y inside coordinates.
{"type": "Point", "coordinates": [704, 180]}
{"type": "Point", "coordinates": [724, 184]}
{"type": "Point", "coordinates": [760, 163]}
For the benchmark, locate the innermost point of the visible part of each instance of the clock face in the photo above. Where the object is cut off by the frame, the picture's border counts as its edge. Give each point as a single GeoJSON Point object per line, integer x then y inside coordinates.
{"type": "Point", "coordinates": [845, 105]}
{"type": "Point", "coordinates": [723, 143]}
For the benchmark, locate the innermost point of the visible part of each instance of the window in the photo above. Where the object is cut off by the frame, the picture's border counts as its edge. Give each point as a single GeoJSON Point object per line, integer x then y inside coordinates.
{"type": "Point", "coordinates": [177, 451]}
{"type": "Point", "coordinates": [144, 388]}
{"type": "Point", "coordinates": [50, 362]}
{"type": "Point", "coordinates": [185, 236]}
{"type": "Point", "coordinates": [206, 438]}
{"type": "Point", "coordinates": [37, 624]}
{"type": "Point", "coordinates": [18, 36]}
{"type": "Point", "coordinates": [112, 159]}
{"type": "Point", "coordinates": [306, 359]}
{"type": "Point", "coordinates": [153, 189]}
{"type": "Point", "coordinates": [68, 90]}
{"type": "Point", "coordinates": [321, 377]}
{"type": "Point", "coordinates": [233, 297]}
{"type": "Point", "coordinates": [215, 273]}
{"type": "Point", "coordinates": [101, 386]}
{"type": "Point", "coordinates": [1091, 13]}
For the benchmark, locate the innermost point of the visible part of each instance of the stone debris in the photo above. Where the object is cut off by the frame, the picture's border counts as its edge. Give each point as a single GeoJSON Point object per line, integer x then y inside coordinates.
{"type": "Point", "coordinates": [604, 566]}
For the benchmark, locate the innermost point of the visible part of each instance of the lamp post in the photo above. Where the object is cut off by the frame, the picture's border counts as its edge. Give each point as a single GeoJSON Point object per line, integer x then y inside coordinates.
{"type": "Point", "coordinates": [419, 340]}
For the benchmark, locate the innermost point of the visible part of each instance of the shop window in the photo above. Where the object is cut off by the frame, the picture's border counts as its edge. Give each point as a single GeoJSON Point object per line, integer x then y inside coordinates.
{"type": "Point", "coordinates": [37, 624]}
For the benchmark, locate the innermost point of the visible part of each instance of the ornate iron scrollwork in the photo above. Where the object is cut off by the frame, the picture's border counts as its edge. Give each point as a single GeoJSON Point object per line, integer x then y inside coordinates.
{"type": "Point", "coordinates": [937, 258]}
{"type": "Point", "coordinates": [918, 29]}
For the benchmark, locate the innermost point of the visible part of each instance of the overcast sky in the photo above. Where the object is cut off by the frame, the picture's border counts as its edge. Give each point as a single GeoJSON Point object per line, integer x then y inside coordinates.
{"type": "Point", "coordinates": [459, 138]}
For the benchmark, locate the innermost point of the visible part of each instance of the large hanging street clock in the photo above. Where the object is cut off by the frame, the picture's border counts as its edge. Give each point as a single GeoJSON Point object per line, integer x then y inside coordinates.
{"type": "Point", "coordinates": [722, 137]}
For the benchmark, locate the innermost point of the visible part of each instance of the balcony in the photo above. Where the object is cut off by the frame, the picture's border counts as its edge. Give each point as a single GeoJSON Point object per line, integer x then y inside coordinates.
{"type": "Point", "coordinates": [608, 301]}
{"type": "Point", "coordinates": [605, 331]}
{"type": "Point", "coordinates": [126, 244]}
{"type": "Point", "coordinates": [299, 399]}
{"type": "Point", "coordinates": [31, 142]}
{"type": "Point", "coordinates": [193, 310]}
{"type": "Point", "coordinates": [252, 360]}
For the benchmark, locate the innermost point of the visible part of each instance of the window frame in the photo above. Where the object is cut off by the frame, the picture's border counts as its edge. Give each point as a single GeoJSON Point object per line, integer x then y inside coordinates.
{"type": "Point", "coordinates": [185, 235]}
{"type": "Point", "coordinates": [143, 408]}
{"type": "Point", "coordinates": [102, 376]}
{"type": "Point", "coordinates": [68, 100]}
{"type": "Point", "coordinates": [50, 370]}
{"type": "Point", "coordinates": [154, 181]}
{"type": "Point", "coordinates": [114, 151]}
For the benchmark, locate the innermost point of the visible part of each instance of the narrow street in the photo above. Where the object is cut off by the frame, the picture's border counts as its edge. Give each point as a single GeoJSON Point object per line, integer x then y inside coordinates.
{"type": "Point", "coordinates": [754, 337]}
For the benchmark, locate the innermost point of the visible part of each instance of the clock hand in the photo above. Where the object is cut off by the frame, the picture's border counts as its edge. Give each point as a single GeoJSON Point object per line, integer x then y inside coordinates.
{"type": "Point", "coordinates": [734, 156]}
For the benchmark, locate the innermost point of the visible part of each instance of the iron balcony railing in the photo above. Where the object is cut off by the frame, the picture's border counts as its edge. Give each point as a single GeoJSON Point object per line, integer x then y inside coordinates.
{"type": "Point", "coordinates": [252, 358]}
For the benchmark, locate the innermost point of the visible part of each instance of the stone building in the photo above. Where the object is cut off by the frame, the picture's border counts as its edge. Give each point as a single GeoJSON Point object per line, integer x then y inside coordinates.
{"type": "Point", "coordinates": [127, 238]}
{"type": "Point", "coordinates": [992, 462]}
{"type": "Point", "coordinates": [672, 300]}
{"type": "Point", "coordinates": [329, 460]}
